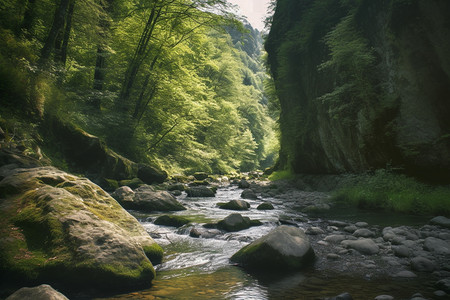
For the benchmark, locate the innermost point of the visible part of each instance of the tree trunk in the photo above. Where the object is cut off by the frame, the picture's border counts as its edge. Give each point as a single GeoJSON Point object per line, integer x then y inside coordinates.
{"type": "Point", "coordinates": [57, 26]}
{"type": "Point", "coordinates": [139, 55]}
{"type": "Point", "coordinates": [67, 29]}
{"type": "Point", "coordinates": [28, 18]}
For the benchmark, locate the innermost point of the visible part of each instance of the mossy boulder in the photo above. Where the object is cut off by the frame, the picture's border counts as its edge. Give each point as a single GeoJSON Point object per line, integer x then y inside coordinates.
{"type": "Point", "coordinates": [171, 220]}
{"type": "Point", "coordinates": [235, 205]}
{"type": "Point", "coordinates": [249, 194]}
{"type": "Point", "coordinates": [151, 174]}
{"type": "Point", "coordinates": [284, 248]}
{"type": "Point", "coordinates": [200, 191]}
{"type": "Point", "coordinates": [147, 199]}
{"type": "Point", "coordinates": [58, 228]}
{"type": "Point", "coordinates": [265, 206]}
{"type": "Point", "coordinates": [200, 175]}
{"type": "Point", "coordinates": [133, 183]}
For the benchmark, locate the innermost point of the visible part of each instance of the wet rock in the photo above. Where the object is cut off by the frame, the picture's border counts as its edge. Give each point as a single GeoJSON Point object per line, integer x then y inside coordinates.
{"type": "Point", "coordinates": [249, 194]}
{"type": "Point", "coordinates": [42, 292]}
{"type": "Point", "coordinates": [200, 191]}
{"type": "Point", "coordinates": [384, 297]}
{"type": "Point", "coordinates": [437, 246]}
{"type": "Point", "coordinates": [350, 228]}
{"type": "Point", "coordinates": [440, 294]}
{"type": "Point", "coordinates": [176, 187]}
{"type": "Point", "coordinates": [265, 206]}
{"type": "Point", "coordinates": [176, 193]}
{"type": "Point", "coordinates": [147, 199]}
{"type": "Point", "coordinates": [363, 232]}
{"type": "Point", "coordinates": [285, 247]}
{"type": "Point", "coordinates": [333, 256]}
{"type": "Point", "coordinates": [335, 238]}
{"type": "Point", "coordinates": [171, 220]}
{"type": "Point", "coordinates": [441, 221]}
{"type": "Point", "coordinates": [243, 184]}
{"type": "Point", "coordinates": [234, 222]}
{"type": "Point", "coordinates": [344, 296]}
{"type": "Point", "coordinates": [195, 233]}
{"type": "Point", "coordinates": [361, 224]}
{"type": "Point", "coordinates": [443, 284]}
{"type": "Point", "coordinates": [401, 251]}
{"type": "Point", "coordinates": [337, 223]}
{"type": "Point", "coordinates": [363, 246]}
{"type": "Point", "coordinates": [99, 244]}
{"type": "Point", "coordinates": [422, 264]}
{"type": "Point", "coordinates": [314, 231]}
{"type": "Point", "coordinates": [200, 175]}
{"type": "Point", "coordinates": [417, 296]}
{"type": "Point", "coordinates": [316, 208]}
{"type": "Point", "coordinates": [235, 205]}
{"type": "Point", "coordinates": [405, 274]}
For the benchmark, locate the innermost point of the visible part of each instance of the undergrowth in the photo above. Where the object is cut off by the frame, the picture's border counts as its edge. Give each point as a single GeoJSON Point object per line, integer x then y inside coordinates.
{"type": "Point", "coordinates": [385, 190]}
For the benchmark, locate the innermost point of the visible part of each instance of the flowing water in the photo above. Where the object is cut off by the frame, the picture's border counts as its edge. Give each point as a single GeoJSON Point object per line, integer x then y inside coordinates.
{"type": "Point", "coordinates": [199, 268]}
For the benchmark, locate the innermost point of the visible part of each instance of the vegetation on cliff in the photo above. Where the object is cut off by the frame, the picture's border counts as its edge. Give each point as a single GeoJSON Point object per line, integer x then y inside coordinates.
{"type": "Point", "coordinates": [362, 85]}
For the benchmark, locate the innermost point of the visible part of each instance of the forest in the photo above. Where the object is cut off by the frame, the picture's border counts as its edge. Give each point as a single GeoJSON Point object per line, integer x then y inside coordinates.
{"type": "Point", "coordinates": [178, 84]}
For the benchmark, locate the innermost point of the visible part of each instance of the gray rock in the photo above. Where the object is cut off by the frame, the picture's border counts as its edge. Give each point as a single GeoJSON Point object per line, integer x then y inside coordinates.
{"type": "Point", "coordinates": [285, 247]}
{"type": "Point", "coordinates": [344, 296]}
{"type": "Point", "coordinates": [335, 238]}
{"type": "Point", "coordinates": [361, 224]}
{"type": "Point", "coordinates": [200, 192]}
{"type": "Point", "coordinates": [171, 220]}
{"type": "Point", "coordinates": [314, 231]}
{"type": "Point", "coordinates": [363, 232]}
{"type": "Point", "coordinates": [384, 297]}
{"type": "Point", "coordinates": [243, 184]}
{"type": "Point", "coordinates": [350, 228]}
{"type": "Point", "coordinates": [124, 194]}
{"type": "Point", "coordinates": [440, 294]}
{"type": "Point", "coordinates": [441, 221]}
{"type": "Point", "coordinates": [150, 174]}
{"type": "Point", "coordinates": [337, 223]}
{"type": "Point", "coordinates": [200, 175]}
{"type": "Point", "coordinates": [248, 194]}
{"type": "Point", "coordinates": [443, 284]}
{"type": "Point", "coordinates": [235, 205]}
{"type": "Point", "coordinates": [316, 208]}
{"type": "Point", "coordinates": [146, 199]}
{"type": "Point", "coordinates": [405, 274]}
{"type": "Point", "coordinates": [422, 264]}
{"type": "Point", "coordinates": [41, 292]}
{"type": "Point", "coordinates": [437, 246]}
{"type": "Point", "coordinates": [333, 256]}
{"type": "Point", "coordinates": [363, 246]}
{"type": "Point", "coordinates": [402, 251]}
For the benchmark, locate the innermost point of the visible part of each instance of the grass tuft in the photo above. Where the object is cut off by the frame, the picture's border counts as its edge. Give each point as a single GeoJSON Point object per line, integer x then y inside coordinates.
{"type": "Point", "coordinates": [388, 191]}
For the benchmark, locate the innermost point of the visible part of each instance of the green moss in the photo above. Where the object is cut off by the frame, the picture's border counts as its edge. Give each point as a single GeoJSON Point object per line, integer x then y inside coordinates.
{"type": "Point", "coordinates": [282, 175]}
{"type": "Point", "coordinates": [387, 191]}
{"type": "Point", "coordinates": [154, 252]}
{"type": "Point", "coordinates": [132, 183]}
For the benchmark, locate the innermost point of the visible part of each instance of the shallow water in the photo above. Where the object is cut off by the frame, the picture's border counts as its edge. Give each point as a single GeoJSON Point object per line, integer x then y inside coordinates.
{"type": "Point", "coordinates": [199, 268]}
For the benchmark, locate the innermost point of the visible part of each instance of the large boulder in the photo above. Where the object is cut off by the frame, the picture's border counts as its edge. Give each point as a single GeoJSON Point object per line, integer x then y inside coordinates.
{"type": "Point", "coordinates": [147, 199]}
{"type": "Point", "coordinates": [59, 229]}
{"type": "Point", "coordinates": [42, 292]}
{"type": "Point", "coordinates": [284, 248]}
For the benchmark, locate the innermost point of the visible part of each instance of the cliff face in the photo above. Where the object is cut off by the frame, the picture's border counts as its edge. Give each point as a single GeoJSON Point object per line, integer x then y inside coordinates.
{"type": "Point", "coordinates": [363, 84]}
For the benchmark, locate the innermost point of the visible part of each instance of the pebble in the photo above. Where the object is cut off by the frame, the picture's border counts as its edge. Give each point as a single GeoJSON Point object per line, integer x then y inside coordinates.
{"type": "Point", "coordinates": [422, 264]}
{"type": "Point", "coordinates": [440, 294]}
{"type": "Point", "coordinates": [350, 228]}
{"type": "Point", "coordinates": [335, 238]}
{"type": "Point", "coordinates": [363, 232]}
{"type": "Point", "coordinates": [333, 256]}
{"type": "Point", "coordinates": [361, 224]}
{"type": "Point", "coordinates": [384, 297]}
{"type": "Point", "coordinates": [437, 246]}
{"type": "Point", "coordinates": [401, 251]}
{"type": "Point", "coordinates": [314, 231]}
{"type": "Point", "coordinates": [405, 274]}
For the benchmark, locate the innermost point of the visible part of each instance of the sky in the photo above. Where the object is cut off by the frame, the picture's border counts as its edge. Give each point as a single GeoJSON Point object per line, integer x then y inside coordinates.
{"type": "Point", "coordinates": [254, 10]}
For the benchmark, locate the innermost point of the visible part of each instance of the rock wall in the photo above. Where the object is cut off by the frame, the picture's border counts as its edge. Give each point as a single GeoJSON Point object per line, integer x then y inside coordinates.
{"type": "Point", "coordinates": [363, 85]}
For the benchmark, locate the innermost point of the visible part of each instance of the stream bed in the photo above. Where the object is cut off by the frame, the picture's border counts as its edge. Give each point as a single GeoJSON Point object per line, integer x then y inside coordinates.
{"type": "Point", "coordinates": [199, 268]}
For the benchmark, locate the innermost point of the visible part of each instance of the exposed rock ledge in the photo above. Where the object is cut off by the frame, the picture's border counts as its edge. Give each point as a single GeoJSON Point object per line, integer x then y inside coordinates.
{"type": "Point", "coordinates": [64, 230]}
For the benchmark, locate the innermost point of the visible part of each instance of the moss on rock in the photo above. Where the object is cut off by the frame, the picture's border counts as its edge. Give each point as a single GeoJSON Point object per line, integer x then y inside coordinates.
{"type": "Point", "coordinates": [54, 223]}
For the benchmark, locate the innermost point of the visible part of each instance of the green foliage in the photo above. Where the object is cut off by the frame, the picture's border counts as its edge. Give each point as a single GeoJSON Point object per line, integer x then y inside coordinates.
{"type": "Point", "coordinates": [388, 191]}
{"type": "Point", "coordinates": [282, 175]}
